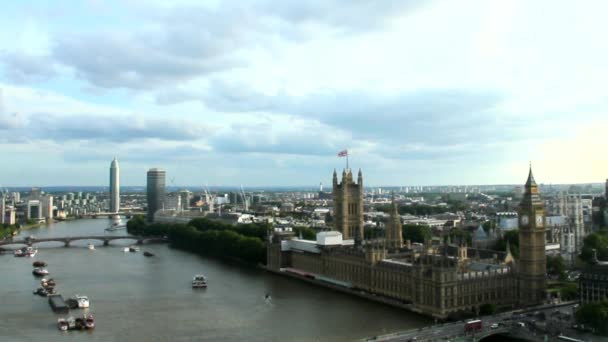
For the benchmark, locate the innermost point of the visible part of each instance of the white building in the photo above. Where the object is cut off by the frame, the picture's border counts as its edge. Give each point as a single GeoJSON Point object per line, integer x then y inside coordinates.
{"type": "Point", "coordinates": [46, 203]}
{"type": "Point", "coordinates": [114, 186]}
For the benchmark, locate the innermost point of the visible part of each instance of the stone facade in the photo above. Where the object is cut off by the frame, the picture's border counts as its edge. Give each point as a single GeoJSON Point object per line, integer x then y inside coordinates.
{"type": "Point", "coordinates": [435, 280]}
{"type": "Point", "coordinates": [394, 234]}
{"type": "Point", "coordinates": [593, 282]}
{"type": "Point", "coordinates": [532, 261]}
{"type": "Point", "coordinates": [348, 206]}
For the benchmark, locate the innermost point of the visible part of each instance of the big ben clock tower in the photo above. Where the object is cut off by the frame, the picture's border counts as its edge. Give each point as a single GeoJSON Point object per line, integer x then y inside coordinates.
{"type": "Point", "coordinates": [532, 258]}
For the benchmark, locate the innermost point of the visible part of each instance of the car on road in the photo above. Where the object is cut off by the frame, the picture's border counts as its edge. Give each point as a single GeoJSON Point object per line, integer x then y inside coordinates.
{"type": "Point", "coordinates": [521, 324]}
{"type": "Point", "coordinates": [494, 326]}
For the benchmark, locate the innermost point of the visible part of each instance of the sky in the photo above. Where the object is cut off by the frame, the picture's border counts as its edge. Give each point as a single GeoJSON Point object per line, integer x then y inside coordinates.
{"type": "Point", "coordinates": [260, 92]}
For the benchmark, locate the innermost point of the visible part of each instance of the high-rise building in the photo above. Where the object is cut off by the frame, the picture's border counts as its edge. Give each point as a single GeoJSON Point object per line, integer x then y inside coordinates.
{"type": "Point", "coordinates": [394, 235]}
{"type": "Point", "coordinates": [186, 196]}
{"type": "Point", "coordinates": [114, 187]}
{"type": "Point", "coordinates": [348, 206]}
{"type": "Point", "coordinates": [2, 208]}
{"type": "Point", "coordinates": [532, 257]}
{"type": "Point", "coordinates": [35, 193]}
{"type": "Point", "coordinates": [155, 191]}
{"type": "Point", "coordinates": [34, 210]}
{"type": "Point", "coordinates": [46, 203]}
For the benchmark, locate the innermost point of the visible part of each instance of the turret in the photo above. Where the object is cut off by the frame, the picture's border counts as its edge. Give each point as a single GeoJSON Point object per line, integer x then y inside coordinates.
{"type": "Point", "coordinates": [360, 179]}
{"type": "Point", "coordinates": [335, 179]}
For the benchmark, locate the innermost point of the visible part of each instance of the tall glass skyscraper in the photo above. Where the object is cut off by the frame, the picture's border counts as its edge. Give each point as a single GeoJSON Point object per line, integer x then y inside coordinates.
{"type": "Point", "coordinates": [114, 187]}
{"type": "Point", "coordinates": [155, 192]}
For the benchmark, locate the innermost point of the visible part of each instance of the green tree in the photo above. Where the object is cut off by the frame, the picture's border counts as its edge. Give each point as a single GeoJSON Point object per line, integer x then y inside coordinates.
{"type": "Point", "coordinates": [460, 236]}
{"type": "Point", "coordinates": [306, 232]}
{"type": "Point", "coordinates": [513, 237]}
{"type": "Point", "coordinates": [135, 226]}
{"type": "Point", "coordinates": [569, 291]}
{"type": "Point", "coordinates": [487, 309]}
{"type": "Point", "coordinates": [556, 266]}
{"type": "Point", "coordinates": [416, 232]}
{"type": "Point", "coordinates": [597, 241]}
{"type": "Point", "coordinates": [594, 315]}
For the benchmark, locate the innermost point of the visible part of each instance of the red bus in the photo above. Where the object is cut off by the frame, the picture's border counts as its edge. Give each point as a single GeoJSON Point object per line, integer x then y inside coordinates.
{"type": "Point", "coordinates": [473, 326]}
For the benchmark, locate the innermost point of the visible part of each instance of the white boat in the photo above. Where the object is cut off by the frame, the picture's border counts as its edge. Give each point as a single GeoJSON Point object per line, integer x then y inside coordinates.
{"type": "Point", "coordinates": [133, 249]}
{"type": "Point", "coordinates": [116, 224]}
{"type": "Point", "coordinates": [31, 252]}
{"type": "Point", "coordinates": [91, 246]}
{"type": "Point", "coordinates": [83, 301]}
{"type": "Point", "coordinates": [199, 281]}
{"type": "Point", "coordinates": [126, 250]}
{"type": "Point", "coordinates": [39, 271]}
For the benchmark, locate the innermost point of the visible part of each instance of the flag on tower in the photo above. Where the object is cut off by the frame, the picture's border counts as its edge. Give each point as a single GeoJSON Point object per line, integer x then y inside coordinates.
{"type": "Point", "coordinates": [343, 153]}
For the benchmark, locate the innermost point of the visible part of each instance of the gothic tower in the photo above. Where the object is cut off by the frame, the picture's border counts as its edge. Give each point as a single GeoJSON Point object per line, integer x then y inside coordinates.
{"type": "Point", "coordinates": [394, 237]}
{"type": "Point", "coordinates": [348, 206]}
{"type": "Point", "coordinates": [532, 257]}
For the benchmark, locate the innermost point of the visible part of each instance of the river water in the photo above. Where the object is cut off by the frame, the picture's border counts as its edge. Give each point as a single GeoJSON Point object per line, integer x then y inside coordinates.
{"type": "Point", "coordinates": [135, 298]}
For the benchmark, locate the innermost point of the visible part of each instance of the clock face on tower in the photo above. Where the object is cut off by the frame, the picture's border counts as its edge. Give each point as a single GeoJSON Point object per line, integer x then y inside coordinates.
{"type": "Point", "coordinates": [524, 220]}
{"type": "Point", "coordinates": [539, 220]}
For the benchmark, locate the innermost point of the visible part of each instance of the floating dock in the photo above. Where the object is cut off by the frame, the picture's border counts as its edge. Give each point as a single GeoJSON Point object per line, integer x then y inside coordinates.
{"type": "Point", "coordinates": [58, 304]}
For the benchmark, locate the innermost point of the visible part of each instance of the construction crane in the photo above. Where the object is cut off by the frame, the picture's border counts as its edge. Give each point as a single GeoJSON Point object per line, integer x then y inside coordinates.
{"type": "Point", "coordinates": [210, 200]}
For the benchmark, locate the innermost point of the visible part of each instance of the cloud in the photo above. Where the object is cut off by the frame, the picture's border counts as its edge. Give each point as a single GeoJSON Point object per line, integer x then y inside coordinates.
{"type": "Point", "coordinates": [22, 68]}
{"type": "Point", "coordinates": [435, 117]}
{"type": "Point", "coordinates": [114, 128]}
{"type": "Point", "coordinates": [182, 43]}
{"type": "Point", "coordinates": [281, 135]}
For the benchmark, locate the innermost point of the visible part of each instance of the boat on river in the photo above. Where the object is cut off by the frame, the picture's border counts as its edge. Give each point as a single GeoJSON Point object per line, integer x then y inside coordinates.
{"type": "Point", "coordinates": [26, 252]}
{"type": "Point", "coordinates": [42, 292]}
{"type": "Point", "coordinates": [91, 246]}
{"type": "Point", "coordinates": [79, 323]}
{"type": "Point", "coordinates": [148, 254]}
{"type": "Point", "coordinates": [83, 301]}
{"type": "Point", "coordinates": [199, 281]}
{"type": "Point", "coordinates": [58, 304]}
{"type": "Point", "coordinates": [116, 224]}
{"type": "Point", "coordinates": [47, 283]}
{"type": "Point", "coordinates": [133, 249]}
{"type": "Point", "coordinates": [39, 263]}
{"type": "Point", "coordinates": [39, 271]}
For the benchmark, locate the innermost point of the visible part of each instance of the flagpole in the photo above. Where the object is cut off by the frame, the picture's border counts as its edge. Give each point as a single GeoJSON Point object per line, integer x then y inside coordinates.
{"type": "Point", "coordinates": [346, 160]}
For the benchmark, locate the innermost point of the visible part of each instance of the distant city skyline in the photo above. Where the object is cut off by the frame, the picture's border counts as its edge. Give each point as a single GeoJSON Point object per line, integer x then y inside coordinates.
{"type": "Point", "coordinates": [231, 92]}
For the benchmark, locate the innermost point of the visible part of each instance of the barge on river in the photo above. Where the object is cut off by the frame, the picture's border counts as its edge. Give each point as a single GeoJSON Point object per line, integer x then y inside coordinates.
{"type": "Point", "coordinates": [58, 304]}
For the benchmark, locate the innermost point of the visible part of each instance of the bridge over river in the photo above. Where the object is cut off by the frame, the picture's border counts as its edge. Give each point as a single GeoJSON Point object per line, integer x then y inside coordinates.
{"type": "Point", "coordinates": [67, 240]}
{"type": "Point", "coordinates": [521, 324]}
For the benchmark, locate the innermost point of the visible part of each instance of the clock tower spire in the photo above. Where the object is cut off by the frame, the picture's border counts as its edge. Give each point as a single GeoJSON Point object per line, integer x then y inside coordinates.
{"type": "Point", "coordinates": [532, 257]}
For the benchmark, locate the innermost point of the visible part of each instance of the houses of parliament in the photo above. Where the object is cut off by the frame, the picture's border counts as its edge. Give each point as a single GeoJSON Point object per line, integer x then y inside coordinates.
{"type": "Point", "coordinates": [438, 280]}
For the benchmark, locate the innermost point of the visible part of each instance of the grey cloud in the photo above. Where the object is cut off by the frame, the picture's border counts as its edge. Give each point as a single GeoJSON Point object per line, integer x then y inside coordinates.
{"type": "Point", "coordinates": [9, 121]}
{"type": "Point", "coordinates": [118, 129]}
{"type": "Point", "coordinates": [300, 139]}
{"type": "Point", "coordinates": [149, 153]}
{"type": "Point", "coordinates": [23, 68]}
{"type": "Point", "coordinates": [432, 117]}
{"type": "Point", "coordinates": [189, 42]}
{"type": "Point", "coordinates": [92, 127]}
{"type": "Point", "coordinates": [131, 61]}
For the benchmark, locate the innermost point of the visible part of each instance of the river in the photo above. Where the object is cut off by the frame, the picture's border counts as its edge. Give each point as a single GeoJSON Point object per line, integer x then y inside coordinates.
{"type": "Point", "coordinates": [135, 298]}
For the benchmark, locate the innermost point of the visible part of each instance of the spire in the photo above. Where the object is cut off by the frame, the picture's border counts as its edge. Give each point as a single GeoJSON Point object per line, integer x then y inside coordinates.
{"type": "Point", "coordinates": [335, 178]}
{"type": "Point", "coordinates": [360, 178]}
{"type": "Point", "coordinates": [530, 182]}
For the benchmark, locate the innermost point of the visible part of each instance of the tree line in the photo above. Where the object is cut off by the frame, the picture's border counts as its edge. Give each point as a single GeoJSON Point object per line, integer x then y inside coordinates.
{"type": "Point", "coordinates": [208, 237]}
